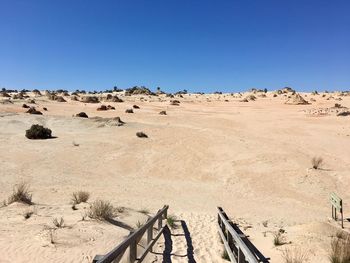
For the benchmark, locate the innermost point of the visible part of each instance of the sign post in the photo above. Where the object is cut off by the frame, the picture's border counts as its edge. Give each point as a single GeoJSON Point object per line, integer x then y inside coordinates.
{"type": "Point", "coordinates": [337, 203]}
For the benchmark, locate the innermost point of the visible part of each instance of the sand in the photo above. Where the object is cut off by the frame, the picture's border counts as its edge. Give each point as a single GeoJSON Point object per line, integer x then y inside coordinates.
{"type": "Point", "coordinates": [251, 158]}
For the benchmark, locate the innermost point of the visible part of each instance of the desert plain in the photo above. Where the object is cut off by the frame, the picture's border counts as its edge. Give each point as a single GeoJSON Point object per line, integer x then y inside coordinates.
{"type": "Point", "coordinates": [251, 157]}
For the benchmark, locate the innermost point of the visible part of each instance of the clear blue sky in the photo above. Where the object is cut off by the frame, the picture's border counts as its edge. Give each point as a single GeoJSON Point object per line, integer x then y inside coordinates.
{"type": "Point", "coordinates": [179, 44]}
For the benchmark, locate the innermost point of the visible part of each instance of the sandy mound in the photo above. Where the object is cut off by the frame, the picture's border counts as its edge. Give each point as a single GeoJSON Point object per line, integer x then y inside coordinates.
{"type": "Point", "coordinates": [297, 99]}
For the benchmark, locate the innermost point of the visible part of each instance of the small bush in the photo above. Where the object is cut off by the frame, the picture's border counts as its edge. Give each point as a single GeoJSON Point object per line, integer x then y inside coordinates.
{"type": "Point", "coordinates": [38, 132]}
{"type": "Point", "coordinates": [80, 197]}
{"type": "Point", "coordinates": [141, 135]}
{"type": "Point", "coordinates": [171, 221]}
{"type": "Point", "coordinates": [82, 115]}
{"type": "Point", "coordinates": [163, 112]}
{"type": "Point", "coordinates": [102, 210]}
{"type": "Point", "coordinates": [129, 111]}
{"type": "Point", "coordinates": [135, 107]}
{"type": "Point", "coordinates": [21, 193]}
{"type": "Point", "coordinates": [59, 223]}
{"type": "Point", "coordinates": [25, 106]}
{"type": "Point", "coordinates": [32, 110]}
{"type": "Point", "coordinates": [102, 108]}
{"type": "Point", "coordinates": [316, 162]}
{"type": "Point", "coordinates": [45, 109]}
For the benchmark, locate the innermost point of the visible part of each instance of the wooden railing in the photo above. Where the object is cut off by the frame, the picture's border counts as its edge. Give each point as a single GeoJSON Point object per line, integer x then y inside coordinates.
{"type": "Point", "coordinates": [134, 238]}
{"type": "Point", "coordinates": [237, 245]}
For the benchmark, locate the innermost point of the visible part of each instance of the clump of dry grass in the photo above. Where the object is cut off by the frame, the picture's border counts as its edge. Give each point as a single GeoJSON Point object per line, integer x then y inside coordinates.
{"type": "Point", "coordinates": [316, 162]}
{"type": "Point", "coordinates": [340, 248]}
{"type": "Point", "coordinates": [278, 239]}
{"type": "Point", "coordinates": [59, 223]}
{"type": "Point", "coordinates": [21, 193]}
{"type": "Point", "coordinates": [102, 210]}
{"type": "Point", "coordinates": [80, 197]}
{"type": "Point", "coordinates": [294, 256]}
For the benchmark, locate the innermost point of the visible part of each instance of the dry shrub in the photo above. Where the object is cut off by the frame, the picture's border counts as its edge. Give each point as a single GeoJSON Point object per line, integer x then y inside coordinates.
{"type": "Point", "coordinates": [80, 197]}
{"type": "Point", "coordinates": [340, 250]}
{"type": "Point", "coordinates": [21, 193]}
{"type": "Point", "coordinates": [316, 162]}
{"type": "Point", "coordinates": [294, 256]}
{"type": "Point", "coordinates": [278, 239]}
{"type": "Point", "coordinates": [32, 110]}
{"type": "Point", "coordinates": [102, 210]}
{"type": "Point", "coordinates": [163, 112]}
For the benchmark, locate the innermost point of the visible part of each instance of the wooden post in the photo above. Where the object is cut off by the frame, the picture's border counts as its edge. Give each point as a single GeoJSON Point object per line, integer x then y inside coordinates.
{"type": "Point", "coordinates": [241, 258]}
{"type": "Point", "coordinates": [332, 213]}
{"type": "Point", "coordinates": [150, 236]}
{"type": "Point", "coordinates": [166, 214]}
{"type": "Point", "coordinates": [132, 251]}
{"type": "Point", "coordinates": [159, 223]}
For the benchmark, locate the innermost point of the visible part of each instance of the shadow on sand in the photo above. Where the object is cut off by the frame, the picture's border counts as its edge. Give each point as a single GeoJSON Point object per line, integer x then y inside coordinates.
{"type": "Point", "coordinates": [167, 253]}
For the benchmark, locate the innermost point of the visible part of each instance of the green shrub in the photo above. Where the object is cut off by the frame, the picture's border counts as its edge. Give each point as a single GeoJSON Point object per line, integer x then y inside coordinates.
{"type": "Point", "coordinates": [38, 132]}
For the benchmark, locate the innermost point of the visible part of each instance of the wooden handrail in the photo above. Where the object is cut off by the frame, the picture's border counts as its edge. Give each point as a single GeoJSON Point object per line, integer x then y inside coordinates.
{"type": "Point", "coordinates": [238, 247]}
{"type": "Point", "coordinates": [132, 240]}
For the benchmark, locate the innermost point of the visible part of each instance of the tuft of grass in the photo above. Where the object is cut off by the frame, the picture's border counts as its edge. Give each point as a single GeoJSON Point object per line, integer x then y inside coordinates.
{"type": "Point", "coordinates": [59, 223]}
{"type": "Point", "coordinates": [316, 162]}
{"type": "Point", "coordinates": [80, 197]}
{"type": "Point", "coordinates": [278, 239]}
{"type": "Point", "coordinates": [21, 193]}
{"type": "Point", "coordinates": [294, 256]}
{"type": "Point", "coordinates": [102, 210]}
{"type": "Point", "coordinates": [139, 224]}
{"type": "Point", "coordinates": [171, 221]}
{"type": "Point", "coordinates": [225, 255]}
{"type": "Point", "coordinates": [340, 249]}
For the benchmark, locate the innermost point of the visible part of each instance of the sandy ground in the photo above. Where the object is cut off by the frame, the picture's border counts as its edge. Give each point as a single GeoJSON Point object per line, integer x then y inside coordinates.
{"type": "Point", "coordinates": [252, 158]}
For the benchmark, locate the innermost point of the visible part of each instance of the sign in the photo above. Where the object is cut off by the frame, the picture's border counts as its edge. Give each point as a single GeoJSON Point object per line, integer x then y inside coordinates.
{"type": "Point", "coordinates": [337, 203]}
